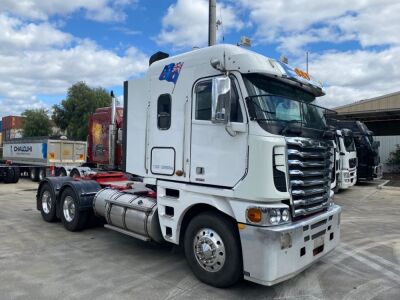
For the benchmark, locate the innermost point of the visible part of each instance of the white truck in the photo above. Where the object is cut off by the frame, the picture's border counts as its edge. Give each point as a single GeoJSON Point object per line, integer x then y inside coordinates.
{"type": "Point", "coordinates": [347, 156]}
{"type": "Point", "coordinates": [37, 156]}
{"type": "Point", "coordinates": [235, 164]}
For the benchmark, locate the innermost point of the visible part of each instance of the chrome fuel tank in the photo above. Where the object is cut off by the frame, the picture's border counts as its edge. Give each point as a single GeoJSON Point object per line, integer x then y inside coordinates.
{"type": "Point", "coordinates": [129, 211]}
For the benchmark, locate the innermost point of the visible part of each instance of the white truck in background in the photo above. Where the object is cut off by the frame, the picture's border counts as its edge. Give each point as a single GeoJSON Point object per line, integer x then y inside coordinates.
{"type": "Point", "coordinates": [235, 163]}
{"type": "Point", "coordinates": [38, 157]}
{"type": "Point", "coordinates": [345, 160]}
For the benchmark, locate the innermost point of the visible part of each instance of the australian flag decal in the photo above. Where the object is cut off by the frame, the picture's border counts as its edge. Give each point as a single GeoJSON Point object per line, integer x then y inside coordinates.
{"type": "Point", "coordinates": [171, 72]}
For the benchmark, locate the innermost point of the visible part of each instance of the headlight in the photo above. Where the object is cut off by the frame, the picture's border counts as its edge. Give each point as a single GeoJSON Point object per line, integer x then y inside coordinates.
{"type": "Point", "coordinates": [285, 215]}
{"type": "Point", "coordinates": [267, 215]}
{"type": "Point", "coordinates": [274, 216]}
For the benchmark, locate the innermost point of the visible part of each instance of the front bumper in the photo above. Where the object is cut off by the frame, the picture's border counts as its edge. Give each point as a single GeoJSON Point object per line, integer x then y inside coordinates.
{"type": "Point", "coordinates": [349, 179]}
{"type": "Point", "coordinates": [267, 263]}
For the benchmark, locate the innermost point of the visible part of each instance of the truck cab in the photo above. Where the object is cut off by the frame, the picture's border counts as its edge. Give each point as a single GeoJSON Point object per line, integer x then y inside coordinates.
{"type": "Point", "coordinates": [347, 159]}
{"type": "Point", "coordinates": [369, 165]}
{"type": "Point", "coordinates": [230, 130]}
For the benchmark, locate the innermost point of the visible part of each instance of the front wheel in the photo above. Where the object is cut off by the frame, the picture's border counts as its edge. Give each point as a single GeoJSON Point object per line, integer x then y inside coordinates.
{"type": "Point", "coordinates": [212, 249]}
{"type": "Point", "coordinates": [72, 218]}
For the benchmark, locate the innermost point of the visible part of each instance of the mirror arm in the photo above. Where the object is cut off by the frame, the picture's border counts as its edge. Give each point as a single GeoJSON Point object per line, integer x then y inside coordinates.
{"type": "Point", "coordinates": [229, 129]}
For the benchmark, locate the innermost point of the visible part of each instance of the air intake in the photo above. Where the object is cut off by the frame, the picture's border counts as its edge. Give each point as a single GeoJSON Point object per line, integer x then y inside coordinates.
{"type": "Point", "coordinates": [157, 56]}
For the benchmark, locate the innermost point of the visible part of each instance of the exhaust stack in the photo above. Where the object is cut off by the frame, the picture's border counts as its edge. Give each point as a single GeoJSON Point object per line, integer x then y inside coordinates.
{"type": "Point", "coordinates": [112, 133]}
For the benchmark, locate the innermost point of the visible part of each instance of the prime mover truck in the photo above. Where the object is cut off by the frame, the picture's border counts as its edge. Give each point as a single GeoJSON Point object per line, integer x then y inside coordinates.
{"type": "Point", "coordinates": [235, 164]}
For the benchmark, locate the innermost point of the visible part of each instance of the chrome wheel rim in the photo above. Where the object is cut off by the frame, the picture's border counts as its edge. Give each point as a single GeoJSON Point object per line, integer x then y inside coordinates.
{"type": "Point", "coordinates": [209, 250]}
{"type": "Point", "coordinates": [46, 202]}
{"type": "Point", "coordinates": [69, 208]}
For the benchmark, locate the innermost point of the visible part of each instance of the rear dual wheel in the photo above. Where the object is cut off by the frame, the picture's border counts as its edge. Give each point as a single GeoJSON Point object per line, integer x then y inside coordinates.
{"type": "Point", "coordinates": [72, 218]}
{"type": "Point", "coordinates": [11, 174]}
{"type": "Point", "coordinates": [47, 203]}
{"type": "Point", "coordinates": [37, 174]}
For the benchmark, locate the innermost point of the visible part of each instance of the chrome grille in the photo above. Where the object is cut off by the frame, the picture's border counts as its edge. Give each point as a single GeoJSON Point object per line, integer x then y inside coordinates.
{"type": "Point", "coordinates": [309, 166]}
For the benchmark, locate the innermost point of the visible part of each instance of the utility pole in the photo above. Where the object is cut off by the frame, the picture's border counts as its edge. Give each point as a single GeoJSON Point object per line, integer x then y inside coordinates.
{"type": "Point", "coordinates": [212, 23]}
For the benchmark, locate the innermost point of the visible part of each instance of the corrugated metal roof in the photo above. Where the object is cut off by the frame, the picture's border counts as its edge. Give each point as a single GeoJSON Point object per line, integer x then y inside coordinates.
{"type": "Point", "coordinates": [383, 103]}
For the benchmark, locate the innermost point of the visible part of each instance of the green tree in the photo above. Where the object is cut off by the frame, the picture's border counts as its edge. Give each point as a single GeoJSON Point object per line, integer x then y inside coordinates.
{"type": "Point", "coordinates": [35, 123]}
{"type": "Point", "coordinates": [394, 156]}
{"type": "Point", "coordinates": [73, 113]}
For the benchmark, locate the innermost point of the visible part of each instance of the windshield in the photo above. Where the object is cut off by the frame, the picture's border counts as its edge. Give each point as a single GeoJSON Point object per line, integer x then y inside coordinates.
{"type": "Point", "coordinates": [349, 144]}
{"type": "Point", "coordinates": [275, 104]}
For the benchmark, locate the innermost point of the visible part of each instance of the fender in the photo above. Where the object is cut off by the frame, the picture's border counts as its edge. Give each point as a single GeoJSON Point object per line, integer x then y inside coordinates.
{"type": "Point", "coordinates": [85, 190]}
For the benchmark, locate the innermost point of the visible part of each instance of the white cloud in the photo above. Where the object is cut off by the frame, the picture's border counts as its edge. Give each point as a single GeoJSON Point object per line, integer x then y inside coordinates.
{"type": "Point", "coordinates": [186, 23]}
{"type": "Point", "coordinates": [356, 75]}
{"type": "Point", "coordinates": [16, 35]}
{"type": "Point", "coordinates": [293, 24]}
{"type": "Point", "coordinates": [32, 66]}
{"type": "Point", "coordinates": [98, 10]}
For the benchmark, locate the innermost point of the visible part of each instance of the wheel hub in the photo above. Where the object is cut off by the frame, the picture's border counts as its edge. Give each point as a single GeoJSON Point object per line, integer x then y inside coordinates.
{"type": "Point", "coordinates": [46, 202]}
{"type": "Point", "coordinates": [209, 250]}
{"type": "Point", "coordinates": [69, 208]}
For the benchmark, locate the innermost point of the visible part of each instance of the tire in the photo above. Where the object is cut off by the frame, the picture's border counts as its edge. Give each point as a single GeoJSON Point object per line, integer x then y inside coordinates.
{"type": "Point", "coordinates": [48, 203]}
{"type": "Point", "coordinates": [42, 174]}
{"type": "Point", "coordinates": [72, 218]}
{"type": "Point", "coordinates": [9, 175]}
{"type": "Point", "coordinates": [17, 174]}
{"type": "Point", "coordinates": [225, 267]}
{"type": "Point", "coordinates": [61, 172]}
{"type": "Point", "coordinates": [33, 174]}
{"type": "Point", "coordinates": [74, 173]}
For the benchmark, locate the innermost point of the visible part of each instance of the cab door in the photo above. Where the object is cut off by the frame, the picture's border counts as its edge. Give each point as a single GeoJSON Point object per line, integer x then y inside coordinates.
{"type": "Point", "coordinates": [218, 149]}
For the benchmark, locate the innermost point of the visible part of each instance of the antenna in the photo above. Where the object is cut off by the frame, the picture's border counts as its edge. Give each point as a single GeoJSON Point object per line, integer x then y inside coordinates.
{"type": "Point", "coordinates": [220, 22]}
{"type": "Point", "coordinates": [307, 62]}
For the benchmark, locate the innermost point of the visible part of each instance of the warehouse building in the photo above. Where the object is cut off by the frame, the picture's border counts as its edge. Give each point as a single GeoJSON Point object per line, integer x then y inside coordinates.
{"type": "Point", "coordinates": [382, 116]}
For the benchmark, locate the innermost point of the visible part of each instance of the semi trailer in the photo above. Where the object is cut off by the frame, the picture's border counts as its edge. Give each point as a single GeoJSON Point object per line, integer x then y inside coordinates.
{"type": "Point", "coordinates": [41, 156]}
{"type": "Point", "coordinates": [234, 162]}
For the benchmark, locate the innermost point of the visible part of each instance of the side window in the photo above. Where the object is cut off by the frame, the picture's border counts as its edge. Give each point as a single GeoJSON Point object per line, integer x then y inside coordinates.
{"type": "Point", "coordinates": [203, 100]}
{"type": "Point", "coordinates": [164, 112]}
{"type": "Point", "coordinates": [236, 111]}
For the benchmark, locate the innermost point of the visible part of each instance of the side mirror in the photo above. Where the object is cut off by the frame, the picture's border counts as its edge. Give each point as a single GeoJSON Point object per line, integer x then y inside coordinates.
{"type": "Point", "coordinates": [221, 99]}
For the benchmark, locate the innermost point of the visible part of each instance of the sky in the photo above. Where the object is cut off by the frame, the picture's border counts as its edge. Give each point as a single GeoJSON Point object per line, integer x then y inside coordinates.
{"type": "Point", "coordinates": [47, 46]}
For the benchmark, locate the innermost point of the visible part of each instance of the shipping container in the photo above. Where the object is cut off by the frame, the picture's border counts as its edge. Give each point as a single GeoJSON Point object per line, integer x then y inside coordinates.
{"type": "Point", "coordinates": [12, 122]}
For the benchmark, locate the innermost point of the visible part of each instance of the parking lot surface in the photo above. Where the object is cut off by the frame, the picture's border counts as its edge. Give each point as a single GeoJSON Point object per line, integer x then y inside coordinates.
{"type": "Point", "coordinates": [39, 260]}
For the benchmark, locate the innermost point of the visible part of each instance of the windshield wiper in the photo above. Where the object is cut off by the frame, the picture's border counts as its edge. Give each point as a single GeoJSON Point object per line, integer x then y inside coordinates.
{"type": "Point", "coordinates": [253, 113]}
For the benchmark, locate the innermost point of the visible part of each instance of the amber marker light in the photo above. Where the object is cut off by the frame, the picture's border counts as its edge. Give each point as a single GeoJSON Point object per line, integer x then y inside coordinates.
{"type": "Point", "coordinates": [254, 215]}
